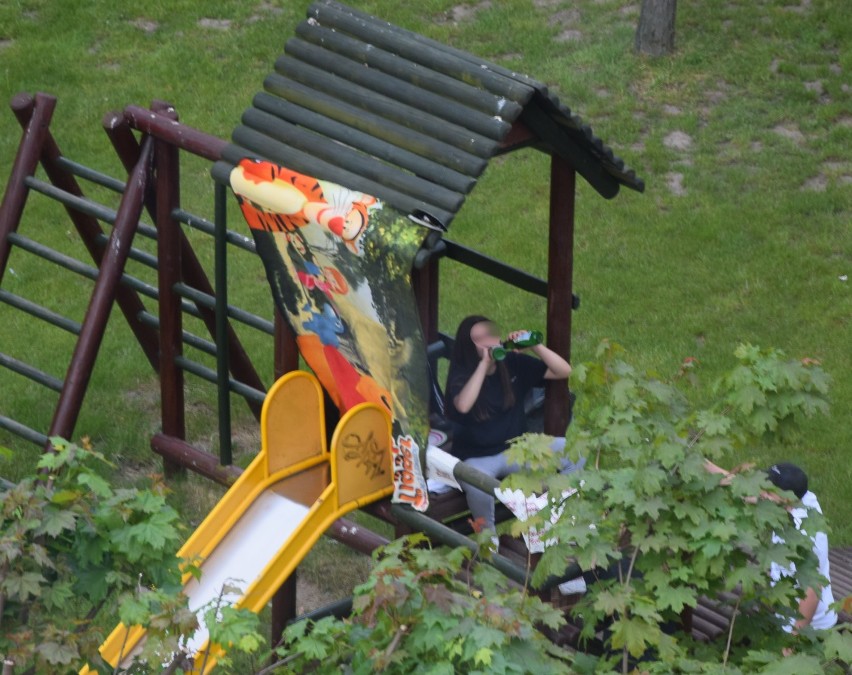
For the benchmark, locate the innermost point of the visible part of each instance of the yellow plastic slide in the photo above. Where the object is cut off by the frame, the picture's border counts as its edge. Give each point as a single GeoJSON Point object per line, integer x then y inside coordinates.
{"type": "Point", "coordinates": [279, 507]}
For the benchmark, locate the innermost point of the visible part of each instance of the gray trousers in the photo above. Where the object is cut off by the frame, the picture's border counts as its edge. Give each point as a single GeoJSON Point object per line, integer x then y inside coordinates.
{"type": "Point", "coordinates": [481, 503]}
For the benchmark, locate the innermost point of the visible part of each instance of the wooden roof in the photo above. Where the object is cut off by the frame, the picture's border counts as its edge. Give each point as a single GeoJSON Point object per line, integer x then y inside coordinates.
{"type": "Point", "coordinates": [383, 110]}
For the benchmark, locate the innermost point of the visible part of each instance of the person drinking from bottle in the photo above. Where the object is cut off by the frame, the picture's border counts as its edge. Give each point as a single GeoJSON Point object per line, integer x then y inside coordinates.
{"type": "Point", "coordinates": [485, 400]}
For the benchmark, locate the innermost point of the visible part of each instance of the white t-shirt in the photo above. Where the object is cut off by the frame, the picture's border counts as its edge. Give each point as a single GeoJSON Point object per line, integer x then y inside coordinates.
{"type": "Point", "coordinates": [824, 617]}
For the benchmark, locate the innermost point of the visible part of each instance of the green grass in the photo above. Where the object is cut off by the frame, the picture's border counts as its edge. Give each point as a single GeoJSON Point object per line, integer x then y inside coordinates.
{"type": "Point", "coordinates": [748, 253]}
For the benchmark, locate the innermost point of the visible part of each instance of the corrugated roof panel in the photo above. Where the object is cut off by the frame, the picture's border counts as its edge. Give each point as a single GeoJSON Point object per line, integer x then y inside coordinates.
{"type": "Point", "coordinates": [384, 110]}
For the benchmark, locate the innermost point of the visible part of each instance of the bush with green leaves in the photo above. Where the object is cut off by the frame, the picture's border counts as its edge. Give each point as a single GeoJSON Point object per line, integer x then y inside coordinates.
{"type": "Point", "coordinates": [77, 555]}
{"type": "Point", "coordinates": [647, 509]}
{"type": "Point", "coordinates": [416, 613]}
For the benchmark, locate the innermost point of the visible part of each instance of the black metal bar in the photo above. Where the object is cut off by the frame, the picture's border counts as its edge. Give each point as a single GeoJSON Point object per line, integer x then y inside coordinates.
{"type": "Point", "coordinates": [143, 258]}
{"type": "Point", "coordinates": [495, 268]}
{"type": "Point", "coordinates": [81, 204]}
{"type": "Point", "coordinates": [89, 272]}
{"type": "Point", "coordinates": [221, 290]}
{"type": "Point", "coordinates": [194, 341]}
{"type": "Point", "coordinates": [31, 372]}
{"type": "Point", "coordinates": [204, 225]}
{"type": "Point", "coordinates": [206, 300]}
{"type": "Point", "coordinates": [209, 374]}
{"type": "Point", "coordinates": [338, 609]}
{"type": "Point", "coordinates": [51, 255]}
{"type": "Point", "coordinates": [40, 312]}
{"type": "Point", "coordinates": [82, 171]}
{"type": "Point", "coordinates": [23, 431]}
{"type": "Point", "coordinates": [450, 537]}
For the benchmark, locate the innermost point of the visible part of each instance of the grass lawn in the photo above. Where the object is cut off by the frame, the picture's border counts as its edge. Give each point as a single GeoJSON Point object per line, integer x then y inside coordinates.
{"type": "Point", "coordinates": [743, 233]}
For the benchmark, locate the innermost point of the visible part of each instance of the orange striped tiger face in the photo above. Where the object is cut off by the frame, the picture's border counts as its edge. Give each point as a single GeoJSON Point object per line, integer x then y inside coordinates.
{"type": "Point", "coordinates": [276, 199]}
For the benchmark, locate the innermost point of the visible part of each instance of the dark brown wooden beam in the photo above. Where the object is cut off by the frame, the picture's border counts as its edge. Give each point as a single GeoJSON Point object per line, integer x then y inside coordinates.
{"type": "Point", "coordinates": [35, 116]}
{"type": "Point", "coordinates": [172, 395]}
{"type": "Point", "coordinates": [519, 137]}
{"type": "Point", "coordinates": [560, 271]}
{"type": "Point", "coordinates": [164, 128]}
{"type": "Point", "coordinates": [103, 297]}
{"type": "Point", "coordinates": [127, 148]}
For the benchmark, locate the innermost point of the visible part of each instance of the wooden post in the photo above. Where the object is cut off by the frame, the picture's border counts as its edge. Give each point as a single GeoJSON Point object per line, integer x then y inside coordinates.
{"type": "Point", "coordinates": [425, 284]}
{"type": "Point", "coordinates": [560, 270]}
{"type": "Point", "coordinates": [103, 297]}
{"type": "Point", "coordinates": [171, 319]}
{"type": "Point", "coordinates": [127, 148]}
{"type": "Point", "coordinates": [35, 116]}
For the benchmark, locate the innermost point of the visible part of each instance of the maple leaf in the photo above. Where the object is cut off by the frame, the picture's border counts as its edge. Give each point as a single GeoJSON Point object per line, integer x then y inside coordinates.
{"type": "Point", "coordinates": [56, 653]}
{"type": "Point", "coordinates": [95, 483]}
{"type": "Point", "coordinates": [762, 420]}
{"type": "Point", "coordinates": [23, 586]}
{"type": "Point", "coordinates": [634, 634]}
{"type": "Point", "coordinates": [838, 644]}
{"type": "Point", "coordinates": [747, 397]}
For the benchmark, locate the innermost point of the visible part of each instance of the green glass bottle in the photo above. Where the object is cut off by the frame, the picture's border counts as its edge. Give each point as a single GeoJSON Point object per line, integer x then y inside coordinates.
{"type": "Point", "coordinates": [529, 338]}
{"type": "Point", "coordinates": [498, 352]}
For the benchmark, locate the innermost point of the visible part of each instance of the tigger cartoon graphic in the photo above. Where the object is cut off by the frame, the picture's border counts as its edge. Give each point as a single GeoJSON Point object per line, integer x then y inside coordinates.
{"type": "Point", "coordinates": [282, 200]}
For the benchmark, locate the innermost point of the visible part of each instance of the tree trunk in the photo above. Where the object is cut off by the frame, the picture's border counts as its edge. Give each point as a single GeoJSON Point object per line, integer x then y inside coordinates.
{"type": "Point", "coordinates": [655, 35]}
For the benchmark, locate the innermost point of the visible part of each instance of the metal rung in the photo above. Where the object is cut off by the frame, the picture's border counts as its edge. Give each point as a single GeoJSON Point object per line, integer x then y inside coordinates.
{"type": "Point", "coordinates": [23, 431]}
{"type": "Point", "coordinates": [205, 373]}
{"type": "Point", "coordinates": [91, 175]}
{"type": "Point", "coordinates": [202, 225]}
{"type": "Point", "coordinates": [40, 312]}
{"type": "Point", "coordinates": [136, 254]}
{"type": "Point", "coordinates": [188, 338]}
{"type": "Point", "coordinates": [85, 205]}
{"type": "Point", "coordinates": [88, 271]}
{"type": "Point", "coordinates": [207, 300]}
{"type": "Point", "coordinates": [31, 372]}
{"type": "Point", "coordinates": [495, 268]}
{"type": "Point", "coordinates": [81, 204]}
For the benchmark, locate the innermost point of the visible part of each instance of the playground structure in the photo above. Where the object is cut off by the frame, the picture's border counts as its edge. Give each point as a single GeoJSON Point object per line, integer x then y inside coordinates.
{"type": "Point", "coordinates": [279, 507]}
{"type": "Point", "coordinates": [415, 128]}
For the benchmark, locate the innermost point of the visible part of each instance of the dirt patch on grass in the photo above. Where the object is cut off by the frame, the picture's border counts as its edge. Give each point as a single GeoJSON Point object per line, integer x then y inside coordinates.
{"type": "Point", "coordinates": [463, 12]}
{"type": "Point", "coordinates": [674, 182]}
{"type": "Point", "coordinates": [215, 24]}
{"type": "Point", "coordinates": [818, 183]}
{"type": "Point", "coordinates": [831, 171]}
{"type": "Point", "coordinates": [145, 25]}
{"type": "Point", "coordinates": [790, 132]}
{"type": "Point", "coordinates": [309, 596]}
{"type": "Point", "coordinates": [265, 8]}
{"type": "Point", "coordinates": [569, 35]}
{"type": "Point", "coordinates": [678, 140]}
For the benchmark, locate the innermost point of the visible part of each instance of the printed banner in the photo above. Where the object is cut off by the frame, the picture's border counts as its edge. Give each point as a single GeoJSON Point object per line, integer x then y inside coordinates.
{"type": "Point", "coordinates": [525, 506]}
{"type": "Point", "coordinates": [339, 264]}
